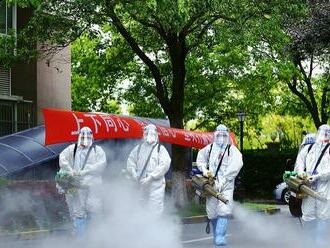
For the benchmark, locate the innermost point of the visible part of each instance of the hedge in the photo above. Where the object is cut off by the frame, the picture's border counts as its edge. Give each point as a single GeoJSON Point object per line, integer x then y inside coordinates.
{"type": "Point", "coordinates": [261, 172]}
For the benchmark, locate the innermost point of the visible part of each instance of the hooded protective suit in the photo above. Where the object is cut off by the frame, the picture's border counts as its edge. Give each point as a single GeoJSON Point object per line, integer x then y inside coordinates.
{"type": "Point", "coordinates": [208, 160]}
{"type": "Point", "coordinates": [308, 140]}
{"type": "Point", "coordinates": [148, 163]}
{"type": "Point", "coordinates": [313, 209]}
{"type": "Point", "coordinates": [84, 162]}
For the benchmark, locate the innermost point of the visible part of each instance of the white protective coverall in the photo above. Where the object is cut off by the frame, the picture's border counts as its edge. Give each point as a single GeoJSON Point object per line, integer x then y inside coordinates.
{"type": "Point", "coordinates": [230, 167]}
{"type": "Point", "coordinates": [152, 180]}
{"type": "Point", "coordinates": [313, 209]}
{"type": "Point", "coordinates": [232, 162]}
{"type": "Point", "coordinates": [85, 200]}
{"type": "Point", "coordinates": [308, 140]}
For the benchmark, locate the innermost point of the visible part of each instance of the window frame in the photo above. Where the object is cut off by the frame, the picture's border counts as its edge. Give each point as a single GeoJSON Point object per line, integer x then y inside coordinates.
{"type": "Point", "coordinates": [14, 27]}
{"type": "Point", "coordinates": [13, 19]}
{"type": "Point", "coordinates": [9, 79]}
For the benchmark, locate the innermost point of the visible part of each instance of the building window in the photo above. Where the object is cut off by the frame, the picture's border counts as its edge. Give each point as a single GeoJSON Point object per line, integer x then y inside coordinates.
{"type": "Point", "coordinates": [7, 23]}
{"type": "Point", "coordinates": [5, 81]}
{"type": "Point", "coordinates": [7, 17]}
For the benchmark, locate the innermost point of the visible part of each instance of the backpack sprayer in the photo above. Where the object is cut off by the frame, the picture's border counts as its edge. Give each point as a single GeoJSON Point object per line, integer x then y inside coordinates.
{"type": "Point", "coordinates": [204, 185]}
{"type": "Point", "coordinates": [300, 186]}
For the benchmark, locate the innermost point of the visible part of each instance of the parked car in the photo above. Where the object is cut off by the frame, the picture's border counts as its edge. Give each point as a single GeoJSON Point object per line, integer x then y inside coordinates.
{"type": "Point", "coordinates": [282, 193]}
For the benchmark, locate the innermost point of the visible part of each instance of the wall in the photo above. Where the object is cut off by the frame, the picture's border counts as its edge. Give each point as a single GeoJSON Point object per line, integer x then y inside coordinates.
{"type": "Point", "coordinates": [54, 82]}
{"type": "Point", "coordinates": [24, 75]}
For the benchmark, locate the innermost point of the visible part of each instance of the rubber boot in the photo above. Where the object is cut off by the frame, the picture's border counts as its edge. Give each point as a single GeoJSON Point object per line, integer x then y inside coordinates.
{"type": "Point", "coordinates": [79, 226]}
{"type": "Point", "coordinates": [220, 231]}
{"type": "Point", "coordinates": [310, 232]}
{"type": "Point", "coordinates": [214, 226]}
{"type": "Point", "coordinates": [320, 234]}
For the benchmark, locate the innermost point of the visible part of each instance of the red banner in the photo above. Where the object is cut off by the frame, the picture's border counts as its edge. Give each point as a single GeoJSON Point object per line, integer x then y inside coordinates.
{"type": "Point", "coordinates": [63, 126]}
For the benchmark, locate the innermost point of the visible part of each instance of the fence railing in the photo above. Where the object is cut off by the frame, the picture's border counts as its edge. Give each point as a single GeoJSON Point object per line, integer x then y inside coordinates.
{"type": "Point", "coordinates": [16, 116]}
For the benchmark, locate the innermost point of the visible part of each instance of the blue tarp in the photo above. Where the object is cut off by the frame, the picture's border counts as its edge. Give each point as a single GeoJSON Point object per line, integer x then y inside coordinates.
{"type": "Point", "coordinates": [26, 149]}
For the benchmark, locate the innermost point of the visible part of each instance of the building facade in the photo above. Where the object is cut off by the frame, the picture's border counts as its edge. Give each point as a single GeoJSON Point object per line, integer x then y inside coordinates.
{"type": "Point", "coordinates": [26, 88]}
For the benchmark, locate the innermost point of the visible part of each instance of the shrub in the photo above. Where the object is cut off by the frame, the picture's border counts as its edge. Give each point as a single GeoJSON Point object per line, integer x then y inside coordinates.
{"type": "Point", "coordinates": [262, 171]}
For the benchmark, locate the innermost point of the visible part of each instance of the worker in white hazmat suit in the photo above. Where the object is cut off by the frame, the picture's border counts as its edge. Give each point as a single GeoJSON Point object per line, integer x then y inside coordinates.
{"type": "Point", "coordinates": [313, 162]}
{"type": "Point", "coordinates": [225, 158]}
{"type": "Point", "coordinates": [147, 164]}
{"type": "Point", "coordinates": [82, 164]}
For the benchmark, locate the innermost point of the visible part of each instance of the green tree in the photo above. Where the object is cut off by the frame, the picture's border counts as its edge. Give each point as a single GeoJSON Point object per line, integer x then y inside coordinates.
{"type": "Point", "coordinates": [310, 51]}
{"type": "Point", "coordinates": [92, 86]}
{"type": "Point", "coordinates": [162, 37]}
{"type": "Point", "coordinates": [296, 53]}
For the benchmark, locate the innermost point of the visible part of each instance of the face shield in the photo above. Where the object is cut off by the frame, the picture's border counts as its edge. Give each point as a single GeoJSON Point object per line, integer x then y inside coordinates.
{"type": "Point", "coordinates": [150, 134]}
{"type": "Point", "coordinates": [85, 137]}
{"type": "Point", "coordinates": [323, 134]}
{"type": "Point", "coordinates": [221, 135]}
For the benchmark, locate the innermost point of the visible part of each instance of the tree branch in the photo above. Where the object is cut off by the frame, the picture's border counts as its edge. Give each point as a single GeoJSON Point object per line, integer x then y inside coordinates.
{"type": "Point", "coordinates": [207, 17]}
{"type": "Point", "coordinates": [324, 105]}
{"type": "Point", "coordinates": [308, 83]}
{"type": "Point", "coordinates": [201, 34]}
{"type": "Point", "coordinates": [311, 67]}
{"type": "Point", "coordinates": [302, 70]}
{"type": "Point", "coordinates": [200, 124]}
{"type": "Point", "coordinates": [185, 30]}
{"type": "Point", "coordinates": [205, 28]}
{"type": "Point", "coordinates": [160, 92]}
{"type": "Point", "coordinates": [157, 26]}
{"type": "Point", "coordinates": [293, 87]}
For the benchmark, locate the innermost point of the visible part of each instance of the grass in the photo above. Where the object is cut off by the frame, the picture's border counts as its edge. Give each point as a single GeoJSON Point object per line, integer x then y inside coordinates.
{"type": "Point", "coordinates": [194, 209]}
{"type": "Point", "coordinates": [258, 206]}
{"type": "Point", "coordinates": [29, 227]}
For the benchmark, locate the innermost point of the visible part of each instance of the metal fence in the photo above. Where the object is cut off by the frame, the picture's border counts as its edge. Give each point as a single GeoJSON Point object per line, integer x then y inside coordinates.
{"type": "Point", "coordinates": [16, 116]}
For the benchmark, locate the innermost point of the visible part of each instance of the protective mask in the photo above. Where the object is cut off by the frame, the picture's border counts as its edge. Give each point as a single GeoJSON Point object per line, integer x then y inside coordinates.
{"type": "Point", "coordinates": [86, 141]}
{"type": "Point", "coordinates": [323, 134]}
{"type": "Point", "coordinates": [150, 134]}
{"type": "Point", "coordinates": [151, 138]}
{"type": "Point", "coordinates": [85, 138]}
{"type": "Point", "coordinates": [221, 139]}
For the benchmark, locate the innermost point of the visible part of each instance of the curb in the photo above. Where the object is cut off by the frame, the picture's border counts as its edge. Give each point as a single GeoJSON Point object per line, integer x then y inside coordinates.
{"type": "Point", "coordinates": [194, 219]}
{"type": "Point", "coordinates": [28, 235]}
{"type": "Point", "coordinates": [269, 211]}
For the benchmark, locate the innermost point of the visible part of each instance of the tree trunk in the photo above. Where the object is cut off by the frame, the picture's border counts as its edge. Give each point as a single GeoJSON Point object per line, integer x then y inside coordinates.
{"type": "Point", "coordinates": [173, 107]}
{"type": "Point", "coordinates": [325, 105]}
{"type": "Point", "coordinates": [179, 189]}
{"type": "Point", "coordinates": [316, 118]}
{"type": "Point", "coordinates": [179, 171]}
{"type": "Point", "coordinates": [310, 105]}
{"type": "Point", "coordinates": [177, 51]}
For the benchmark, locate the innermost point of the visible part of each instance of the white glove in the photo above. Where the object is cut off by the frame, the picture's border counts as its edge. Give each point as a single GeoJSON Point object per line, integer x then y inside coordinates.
{"type": "Point", "coordinates": [207, 173]}
{"type": "Point", "coordinates": [146, 181]}
{"type": "Point", "coordinates": [76, 174]}
{"type": "Point", "coordinates": [302, 175]}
